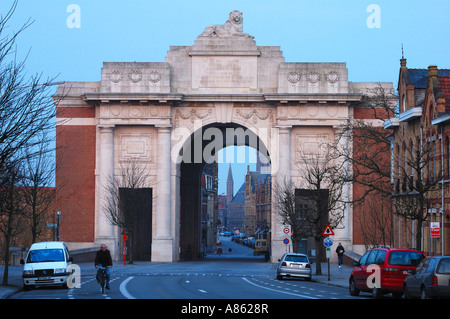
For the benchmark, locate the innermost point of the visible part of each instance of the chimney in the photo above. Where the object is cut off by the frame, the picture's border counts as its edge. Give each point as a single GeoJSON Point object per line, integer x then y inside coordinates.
{"type": "Point", "coordinates": [403, 62]}
{"type": "Point", "coordinates": [432, 75]}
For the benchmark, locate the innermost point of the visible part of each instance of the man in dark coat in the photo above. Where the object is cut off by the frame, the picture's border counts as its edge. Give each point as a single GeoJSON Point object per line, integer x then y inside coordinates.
{"type": "Point", "coordinates": [340, 252]}
{"type": "Point", "coordinates": [103, 258]}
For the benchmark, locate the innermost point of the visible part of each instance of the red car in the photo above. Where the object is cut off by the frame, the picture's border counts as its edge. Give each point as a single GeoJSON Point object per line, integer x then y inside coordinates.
{"type": "Point", "coordinates": [383, 270]}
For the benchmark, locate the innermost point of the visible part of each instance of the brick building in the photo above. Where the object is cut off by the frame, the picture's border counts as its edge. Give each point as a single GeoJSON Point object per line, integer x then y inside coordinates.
{"type": "Point", "coordinates": [420, 159]}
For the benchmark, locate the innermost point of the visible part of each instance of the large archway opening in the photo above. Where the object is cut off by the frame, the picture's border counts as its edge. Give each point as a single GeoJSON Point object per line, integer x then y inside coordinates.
{"type": "Point", "coordinates": [206, 214]}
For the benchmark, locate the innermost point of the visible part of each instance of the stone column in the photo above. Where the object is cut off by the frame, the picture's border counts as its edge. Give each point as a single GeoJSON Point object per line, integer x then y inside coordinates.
{"type": "Point", "coordinates": [284, 152]}
{"type": "Point", "coordinates": [106, 172]}
{"type": "Point", "coordinates": [162, 240]}
{"type": "Point", "coordinates": [283, 172]}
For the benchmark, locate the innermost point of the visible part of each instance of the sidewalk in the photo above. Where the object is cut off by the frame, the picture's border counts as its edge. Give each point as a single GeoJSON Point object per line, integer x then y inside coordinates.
{"type": "Point", "coordinates": [14, 281]}
{"type": "Point", "coordinates": [338, 276]}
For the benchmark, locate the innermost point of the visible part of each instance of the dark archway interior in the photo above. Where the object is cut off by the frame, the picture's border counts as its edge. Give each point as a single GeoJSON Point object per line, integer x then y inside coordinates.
{"type": "Point", "coordinates": [190, 179]}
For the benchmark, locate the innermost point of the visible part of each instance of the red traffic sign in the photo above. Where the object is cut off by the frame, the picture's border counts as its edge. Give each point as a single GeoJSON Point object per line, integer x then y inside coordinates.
{"type": "Point", "coordinates": [286, 241]}
{"type": "Point", "coordinates": [328, 231]}
{"type": "Point", "coordinates": [125, 237]}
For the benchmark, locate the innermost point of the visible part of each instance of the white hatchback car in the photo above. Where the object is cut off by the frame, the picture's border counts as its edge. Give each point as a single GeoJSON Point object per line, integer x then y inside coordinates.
{"type": "Point", "coordinates": [46, 264]}
{"type": "Point", "coordinates": [294, 265]}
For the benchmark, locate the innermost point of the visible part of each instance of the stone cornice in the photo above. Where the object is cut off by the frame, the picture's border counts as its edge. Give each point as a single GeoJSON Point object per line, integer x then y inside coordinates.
{"type": "Point", "coordinates": [270, 97]}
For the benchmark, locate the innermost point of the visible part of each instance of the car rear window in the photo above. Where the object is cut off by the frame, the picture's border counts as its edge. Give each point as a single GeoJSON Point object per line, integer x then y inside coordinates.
{"type": "Point", "coordinates": [444, 266]}
{"type": "Point", "coordinates": [297, 259]}
{"type": "Point", "coordinates": [405, 258]}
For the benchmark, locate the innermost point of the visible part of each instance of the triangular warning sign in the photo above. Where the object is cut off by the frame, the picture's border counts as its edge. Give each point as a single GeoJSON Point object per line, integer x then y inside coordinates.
{"type": "Point", "coordinates": [327, 231]}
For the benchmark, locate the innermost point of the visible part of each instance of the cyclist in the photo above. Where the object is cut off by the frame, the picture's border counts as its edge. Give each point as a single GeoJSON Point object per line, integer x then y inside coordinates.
{"type": "Point", "coordinates": [103, 258]}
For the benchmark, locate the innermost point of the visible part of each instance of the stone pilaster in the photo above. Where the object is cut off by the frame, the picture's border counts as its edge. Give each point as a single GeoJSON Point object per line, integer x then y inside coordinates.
{"type": "Point", "coordinates": [105, 230]}
{"type": "Point", "coordinates": [162, 243]}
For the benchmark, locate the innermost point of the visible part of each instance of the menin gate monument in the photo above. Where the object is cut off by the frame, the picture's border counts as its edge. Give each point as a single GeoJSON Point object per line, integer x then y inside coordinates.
{"type": "Point", "coordinates": [151, 113]}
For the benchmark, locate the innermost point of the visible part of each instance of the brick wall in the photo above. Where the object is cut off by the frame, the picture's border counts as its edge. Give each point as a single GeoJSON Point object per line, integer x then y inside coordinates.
{"type": "Point", "coordinates": [75, 177]}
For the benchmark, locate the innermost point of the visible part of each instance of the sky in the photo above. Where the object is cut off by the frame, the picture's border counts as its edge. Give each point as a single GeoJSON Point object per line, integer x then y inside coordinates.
{"type": "Point", "coordinates": [70, 39]}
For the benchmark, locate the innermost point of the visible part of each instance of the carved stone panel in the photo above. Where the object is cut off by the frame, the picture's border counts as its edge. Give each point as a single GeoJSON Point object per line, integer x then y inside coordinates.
{"type": "Point", "coordinates": [233, 74]}
{"type": "Point", "coordinates": [136, 146]}
{"type": "Point", "coordinates": [310, 146]}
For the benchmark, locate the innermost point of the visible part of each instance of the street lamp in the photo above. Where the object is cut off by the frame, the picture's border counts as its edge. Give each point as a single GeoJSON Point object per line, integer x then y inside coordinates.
{"type": "Point", "coordinates": [58, 220]}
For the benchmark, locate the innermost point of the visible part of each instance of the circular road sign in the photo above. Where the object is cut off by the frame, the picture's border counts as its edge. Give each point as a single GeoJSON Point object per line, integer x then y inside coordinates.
{"type": "Point", "coordinates": [286, 241]}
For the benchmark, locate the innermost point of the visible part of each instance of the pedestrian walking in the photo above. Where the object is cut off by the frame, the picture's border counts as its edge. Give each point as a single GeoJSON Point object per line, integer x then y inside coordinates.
{"type": "Point", "coordinates": [340, 252]}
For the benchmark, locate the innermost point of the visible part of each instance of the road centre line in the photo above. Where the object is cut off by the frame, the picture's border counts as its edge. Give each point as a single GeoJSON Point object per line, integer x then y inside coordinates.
{"type": "Point", "coordinates": [280, 291]}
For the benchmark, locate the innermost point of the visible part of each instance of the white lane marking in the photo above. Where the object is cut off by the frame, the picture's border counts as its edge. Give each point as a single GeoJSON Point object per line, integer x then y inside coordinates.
{"type": "Point", "coordinates": [123, 288]}
{"type": "Point", "coordinates": [202, 291]}
{"type": "Point", "coordinates": [280, 291]}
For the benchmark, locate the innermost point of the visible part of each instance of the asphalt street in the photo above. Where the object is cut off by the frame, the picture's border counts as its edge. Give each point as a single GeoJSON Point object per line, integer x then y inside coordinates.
{"type": "Point", "coordinates": [235, 274]}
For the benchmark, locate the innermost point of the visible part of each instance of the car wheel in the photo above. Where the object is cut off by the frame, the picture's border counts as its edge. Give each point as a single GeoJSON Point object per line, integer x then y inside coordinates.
{"type": "Point", "coordinates": [376, 292]}
{"type": "Point", "coordinates": [352, 288]}
{"type": "Point", "coordinates": [279, 277]}
{"type": "Point", "coordinates": [407, 294]}
{"type": "Point", "coordinates": [424, 294]}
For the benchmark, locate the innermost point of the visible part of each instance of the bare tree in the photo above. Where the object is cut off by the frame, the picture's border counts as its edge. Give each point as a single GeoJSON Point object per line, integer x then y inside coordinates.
{"type": "Point", "coordinates": [11, 212]}
{"type": "Point", "coordinates": [39, 193]}
{"type": "Point", "coordinates": [26, 109]}
{"type": "Point", "coordinates": [368, 156]}
{"type": "Point", "coordinates": [318, 201]}
{"type": "Point", "coordinates": [26, 105]}
{"type": "Point", "coordinates": [122, 207]}
{"type": "Point", "coordinates": [284, 201]}
{"type": "Point", "coordinates": [376, 216]}
{"type": "Point", "coordinates": [397, 175]}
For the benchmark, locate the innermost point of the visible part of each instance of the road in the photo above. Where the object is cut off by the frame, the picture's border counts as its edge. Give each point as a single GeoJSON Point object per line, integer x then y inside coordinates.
{"type": "Point", "coordinates": [236, 274]}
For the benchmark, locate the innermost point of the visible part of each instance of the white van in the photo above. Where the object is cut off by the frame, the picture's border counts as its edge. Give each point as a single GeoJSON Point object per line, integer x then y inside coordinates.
{"type": "Point", "coordinates": [46, 264]}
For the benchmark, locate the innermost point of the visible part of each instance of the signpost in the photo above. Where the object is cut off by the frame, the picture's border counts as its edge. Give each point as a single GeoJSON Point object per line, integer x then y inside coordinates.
{"type": "Point", "coordinates": [287, 235]}
{"type": "Point", "coordinates": [328, 242]}
{"type": "Point", "coordinates": [125, 237]}
{"type": "Point", "coordinates": [328, 231]}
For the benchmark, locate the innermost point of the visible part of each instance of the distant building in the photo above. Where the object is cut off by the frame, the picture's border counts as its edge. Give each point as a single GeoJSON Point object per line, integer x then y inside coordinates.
{"type": "Point", "coordinates": [257, 203]}
{"type": "Point", "coordinates": [236, 210]}
{"type": "Point", "coordinates": [209, 207]}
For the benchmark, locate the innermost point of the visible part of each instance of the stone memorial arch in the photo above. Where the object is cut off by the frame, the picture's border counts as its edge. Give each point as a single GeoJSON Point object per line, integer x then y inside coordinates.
{"type": "Point", "coordinates": [151, 112]}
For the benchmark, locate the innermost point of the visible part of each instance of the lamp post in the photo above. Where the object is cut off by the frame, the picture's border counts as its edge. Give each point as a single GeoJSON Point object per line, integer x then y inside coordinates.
{"type": "Point", "coordinates": [58, 220]}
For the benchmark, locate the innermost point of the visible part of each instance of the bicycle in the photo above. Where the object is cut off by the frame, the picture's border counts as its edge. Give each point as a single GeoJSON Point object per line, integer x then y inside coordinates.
{"type": "Point", "coordinates": [101, 277]}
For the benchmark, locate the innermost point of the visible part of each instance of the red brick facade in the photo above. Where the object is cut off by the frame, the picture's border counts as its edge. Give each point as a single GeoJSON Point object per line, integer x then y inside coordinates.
{"type": "Point", "coordinates": [76, 177]}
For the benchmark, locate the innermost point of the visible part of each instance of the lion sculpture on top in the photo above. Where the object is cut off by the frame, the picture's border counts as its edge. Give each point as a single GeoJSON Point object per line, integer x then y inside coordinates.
{"type": "Point", "coordinates": [233, 27]}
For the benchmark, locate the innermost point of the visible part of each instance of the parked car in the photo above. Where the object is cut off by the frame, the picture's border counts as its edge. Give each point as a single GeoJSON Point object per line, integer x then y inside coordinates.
{"type": "Point", "coordinates": [46, 264]}
{"type": "Point", "coordinates": [383, 270]}
{"type": "Point", "coordinates": [431, 279]}
{"type": "Point", "coordinates": [294, 265]}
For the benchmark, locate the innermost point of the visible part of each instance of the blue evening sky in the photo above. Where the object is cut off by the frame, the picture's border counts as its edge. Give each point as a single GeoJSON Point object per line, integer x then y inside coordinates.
{"type": "Point", "coordinates": [306, 31]}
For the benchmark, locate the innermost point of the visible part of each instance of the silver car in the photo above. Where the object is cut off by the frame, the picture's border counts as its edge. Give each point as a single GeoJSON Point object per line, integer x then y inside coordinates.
{"type": "Point", "coordinates": [294, 265]}
{"type": "Point", "coordinates": [431, 279]}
